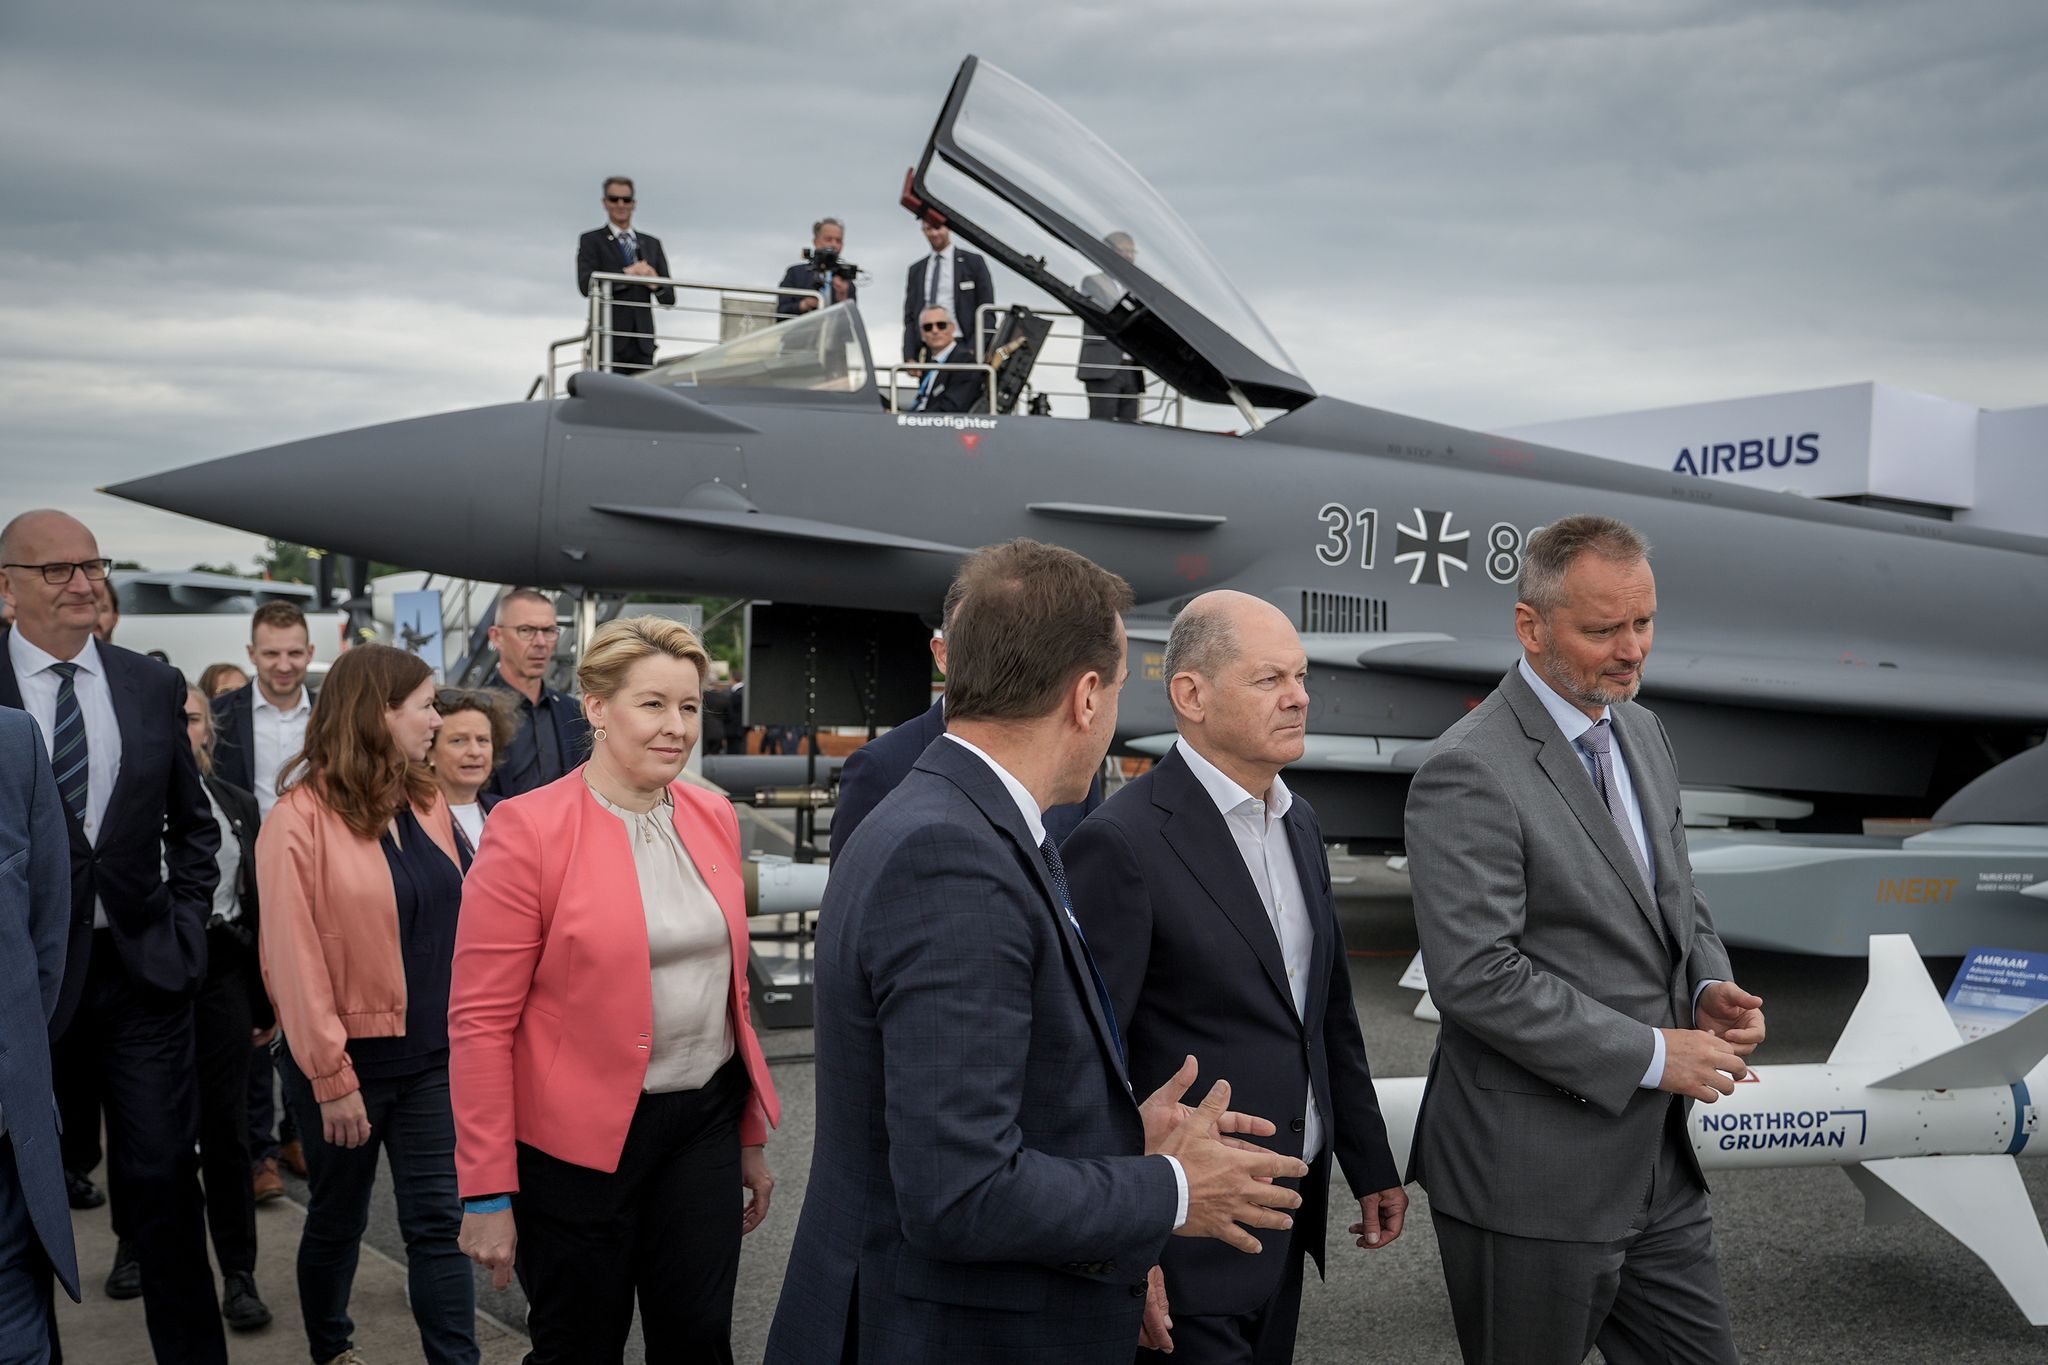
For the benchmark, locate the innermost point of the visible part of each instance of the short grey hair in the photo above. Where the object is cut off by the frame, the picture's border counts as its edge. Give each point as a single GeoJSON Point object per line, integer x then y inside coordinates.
{"type": "Point", "coordinates": [824, 223]}
{"type": "Point", "coordinates": [1553, 550]}
{"type": "Point", "coordinates": [1202, 641]}
{"type": "Point", "coordinates": [951, 321]}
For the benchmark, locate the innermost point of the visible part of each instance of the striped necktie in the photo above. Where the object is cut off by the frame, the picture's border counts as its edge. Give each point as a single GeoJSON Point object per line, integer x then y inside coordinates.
{"type": "Point", "coordinates": [1057, 870]}
{"type": "Point", "coordinates": [68, 753]}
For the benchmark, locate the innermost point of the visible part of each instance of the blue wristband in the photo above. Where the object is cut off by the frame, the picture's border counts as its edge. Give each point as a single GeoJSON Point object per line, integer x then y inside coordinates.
{"type": "Point", "coordinates": [496, 1203]}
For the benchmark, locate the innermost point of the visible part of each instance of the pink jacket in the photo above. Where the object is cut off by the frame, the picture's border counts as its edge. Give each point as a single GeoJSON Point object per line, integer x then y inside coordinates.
{"type": "Point", "coordinates": [552, 1005]}
{"type": "Point", "coordinates": [329, 939]}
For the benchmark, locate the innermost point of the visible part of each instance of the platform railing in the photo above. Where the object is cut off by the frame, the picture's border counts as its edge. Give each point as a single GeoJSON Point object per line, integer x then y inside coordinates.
{"type": "Point", "coordinates": [705, 313]}
{"type": "Point", "coordinates": [1158, 403]}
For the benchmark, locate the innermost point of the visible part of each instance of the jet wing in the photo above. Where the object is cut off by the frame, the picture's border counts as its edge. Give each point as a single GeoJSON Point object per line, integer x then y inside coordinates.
{"type": "Point", "coordinates": [1750, 680]}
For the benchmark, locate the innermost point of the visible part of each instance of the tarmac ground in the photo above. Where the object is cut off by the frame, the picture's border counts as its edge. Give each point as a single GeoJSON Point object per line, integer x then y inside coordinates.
{"type": "Point", "coordinates": [1807, 1282]}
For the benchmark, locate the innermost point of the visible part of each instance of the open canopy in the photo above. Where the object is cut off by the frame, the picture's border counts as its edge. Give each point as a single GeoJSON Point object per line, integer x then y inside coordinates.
{"type": "Point", "coordinates": [1018, 176]}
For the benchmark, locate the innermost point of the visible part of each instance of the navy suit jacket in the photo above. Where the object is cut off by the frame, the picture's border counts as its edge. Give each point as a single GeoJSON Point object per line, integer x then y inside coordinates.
{"type": "Point", "coordinates": [872, 771]}
{"type": "Point", "coordinates": [157, 823]}
{"type": "Point", "coordinates": [234, 737]}
{"type": "Point", "coordinates": [801, 276]}
{"type": "Point", "coordinates": [978, 1187]}
{"type": "Point", "coordinates": [1191, 960]}
{"type": "Point", "coordinates": [35, 927]}
{"type": "Point", "coordinates": [971, 289]}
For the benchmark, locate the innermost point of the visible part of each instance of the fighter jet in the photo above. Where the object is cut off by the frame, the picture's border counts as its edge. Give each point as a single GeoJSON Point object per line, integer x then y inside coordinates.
{"type": "Point", "coordinates": [1855, 660]}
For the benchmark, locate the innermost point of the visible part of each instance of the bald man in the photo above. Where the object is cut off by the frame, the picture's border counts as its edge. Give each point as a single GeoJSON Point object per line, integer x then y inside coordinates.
{"type": "Point", "coordinates": [143, 871]}
{"type": "Point", "coordinates": [1205, 896]}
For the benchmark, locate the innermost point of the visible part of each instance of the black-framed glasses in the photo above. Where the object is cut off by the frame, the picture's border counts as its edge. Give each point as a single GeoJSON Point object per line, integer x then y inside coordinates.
{"type": "Point", "coordinates": [57, 575]}
{"type": "Point", "coordinates": [618, 199]}
{"type": "Point", "coordinates": [528, 634]}
{"type": "Point", "coordinates": [934, 326]}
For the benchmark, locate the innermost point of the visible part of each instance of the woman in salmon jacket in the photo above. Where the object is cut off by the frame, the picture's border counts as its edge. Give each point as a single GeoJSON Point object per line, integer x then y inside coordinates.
{"type": "Point", "coordinates": [361, 880]}
{"type": "Point", "coordinates": [610, 1095]}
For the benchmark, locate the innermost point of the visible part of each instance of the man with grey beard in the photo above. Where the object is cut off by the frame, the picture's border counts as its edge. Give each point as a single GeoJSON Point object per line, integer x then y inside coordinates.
{"type": "Point", "coordinates": [1586, 998]}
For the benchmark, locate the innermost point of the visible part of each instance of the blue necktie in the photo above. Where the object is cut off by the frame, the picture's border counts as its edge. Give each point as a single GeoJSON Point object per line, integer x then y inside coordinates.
{"type": "Point", "coordinates": [626, 248]}
{"type": "Point", "coordinates": [67, 744]}
{"type": "Point", "coordinates": [1058, 870]}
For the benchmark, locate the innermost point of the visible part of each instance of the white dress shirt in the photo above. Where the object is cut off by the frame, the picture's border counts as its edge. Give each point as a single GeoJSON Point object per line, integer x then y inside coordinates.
{"type": "Point", "coordinates": [227, 893]}
{"type": "Point", "coordinates": [38, 686]}
{"type": "Point", "coordinates": [470, 817]}
{"type": "Point", "coordinates": [279, 734]}
{"type": "Point", "coordinates": [1027, 806]}
{"type": "Point", "coordinates": [1574, 723]}
{"type": "Point", "coordinates": [1258, 826]}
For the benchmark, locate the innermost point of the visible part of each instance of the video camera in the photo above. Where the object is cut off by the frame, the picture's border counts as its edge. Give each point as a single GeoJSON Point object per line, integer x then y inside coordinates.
{"type": "Point", "coordinates": [825, 262]}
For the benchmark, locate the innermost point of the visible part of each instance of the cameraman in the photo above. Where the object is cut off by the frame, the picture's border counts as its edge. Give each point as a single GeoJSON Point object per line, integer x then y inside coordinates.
{"type": "Point", "coordinates": [820, 264]}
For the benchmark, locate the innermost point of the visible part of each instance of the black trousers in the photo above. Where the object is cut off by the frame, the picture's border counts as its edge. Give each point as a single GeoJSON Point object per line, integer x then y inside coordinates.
{"type": "Point", "coordinates": [1114, 399]}
{"type": "Point", "coordinates": [132, 1046]}
{"type": "Point", "coordinates": [221, 1024]}
{"type": "Point", "coordinates": [665, 1226]}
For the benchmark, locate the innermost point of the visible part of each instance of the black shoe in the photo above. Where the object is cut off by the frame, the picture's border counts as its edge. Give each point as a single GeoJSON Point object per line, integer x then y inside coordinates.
{"type": "Point", "coordinates": [124, 1281]}
{"type": "Point", "coordinates": [82, 1192]}
{"type": "Point", "coordinates": [240, 1304]}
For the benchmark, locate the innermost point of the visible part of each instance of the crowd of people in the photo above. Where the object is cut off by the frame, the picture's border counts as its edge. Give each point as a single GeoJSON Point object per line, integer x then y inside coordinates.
{"type": "Point", "coordinates": [945, 295]}
{"type": "Point", "coordinates": [490, 935]}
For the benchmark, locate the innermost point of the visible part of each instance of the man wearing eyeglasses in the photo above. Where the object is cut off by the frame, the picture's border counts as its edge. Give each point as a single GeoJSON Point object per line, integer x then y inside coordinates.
{"type": "Point", "coordinates": [618, 248]}
{"type": "Point", "coordinates": [946, 390]}
{"type": "Point", "coordinates": [551, 737]}
{"type": "Point", "coordinates": [142, 879]}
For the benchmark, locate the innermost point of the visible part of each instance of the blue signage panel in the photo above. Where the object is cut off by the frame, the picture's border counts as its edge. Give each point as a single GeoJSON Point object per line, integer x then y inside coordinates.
{"type": "Point", "coordinates": [1995, 987]}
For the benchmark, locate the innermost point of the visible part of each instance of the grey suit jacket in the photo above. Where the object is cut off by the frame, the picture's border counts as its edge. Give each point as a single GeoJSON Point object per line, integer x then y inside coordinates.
{"type": "Point", "coordinates": [1551, 961]}
{"type": "Point", "coordinates": [978, 1187]}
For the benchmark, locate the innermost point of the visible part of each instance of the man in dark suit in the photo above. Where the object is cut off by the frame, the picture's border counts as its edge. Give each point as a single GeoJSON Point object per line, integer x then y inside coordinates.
{"type": "Point", "coordinates": [1113, 378]}
{"type": "Point", "coordinates": [1586, 998]}
{"type": "Point", "coordinates": [35, 925]}
{"type": "Point", "coordinates": [618, 249]}
{"type": "Point", "coordinates": [143, 842]}
{"type": "Point", "coordinates": [549, 734]}
{"type": "Point", "coordinates": [1205, 894]}
{"type": "Point", "coordinates": [873, 770]}
{"type": "Point", "coordinates": [953, 279]}
{"type": "Point", "coordinates": [947, 390]}
{"type": "Point", "coordinates": [828, 239]}
{"type": "Point", "coordinates": [981, 1187]}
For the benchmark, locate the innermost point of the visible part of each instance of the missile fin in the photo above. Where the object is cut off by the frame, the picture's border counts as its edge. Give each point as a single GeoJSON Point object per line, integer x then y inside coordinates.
{"type": "Point", "coordinates": [1901, 1019]}
{"type": "Point", "coordinates": [2001, 1058]}
{"type": "Point", "coordinates": [1981, 1202]}
{"type": "Point", "coordinates": [1882, 1205]}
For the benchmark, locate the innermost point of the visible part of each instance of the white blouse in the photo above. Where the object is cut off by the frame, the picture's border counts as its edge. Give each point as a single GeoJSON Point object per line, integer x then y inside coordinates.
{"type": "Point", "coordinates": [689, 948]}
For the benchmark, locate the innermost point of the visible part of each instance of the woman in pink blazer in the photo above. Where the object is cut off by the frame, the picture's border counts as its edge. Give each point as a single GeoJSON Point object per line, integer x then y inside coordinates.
{"type": "Point", "coordinates": [610, 1094]}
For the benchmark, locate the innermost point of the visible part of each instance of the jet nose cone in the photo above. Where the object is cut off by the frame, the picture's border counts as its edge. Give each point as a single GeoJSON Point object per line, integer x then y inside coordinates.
{"type": "Point", "coordinates": [458, 493]}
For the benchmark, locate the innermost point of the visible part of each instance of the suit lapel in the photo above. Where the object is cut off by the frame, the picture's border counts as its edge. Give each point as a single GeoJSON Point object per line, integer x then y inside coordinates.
{"type": "Point", "coordinates": [1657, 794]}
{"type": "Point", "coordinates": [245, 735]}
{"type": "Point", "coordinates": [10, 695]}
{"type": "Point", "coordinates": [1195, 830]}
{"type": "Point", "coordinates": [128, 712]}
{"type": "Point", "coordinates": [986, 790]}
{"type": "Point", "coordinates": [1562, 764]}
{"type": "Point", "coordinates": [1322, 914]}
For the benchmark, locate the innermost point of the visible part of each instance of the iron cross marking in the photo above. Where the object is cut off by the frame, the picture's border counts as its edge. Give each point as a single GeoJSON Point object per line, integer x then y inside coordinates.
{"type": "Point", "coordinates": [1430, 547]}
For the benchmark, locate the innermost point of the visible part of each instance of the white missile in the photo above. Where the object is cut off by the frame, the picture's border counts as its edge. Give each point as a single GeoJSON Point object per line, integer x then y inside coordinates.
{"type": "Point", "coordinates": [1918, 1119]}
{"type": "Point", "coordinates": [777, 886]}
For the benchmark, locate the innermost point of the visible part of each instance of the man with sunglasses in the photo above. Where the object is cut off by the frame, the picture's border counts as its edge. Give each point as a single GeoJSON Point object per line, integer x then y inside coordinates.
{"type": "Point", "coordinates": [946, 390]}
{"type": "Point", "coordinates": [618, 248]}
{"type": "Point", "coordinates": [550, 736]}
{"type": "Point", "coordinates": [143, 842]}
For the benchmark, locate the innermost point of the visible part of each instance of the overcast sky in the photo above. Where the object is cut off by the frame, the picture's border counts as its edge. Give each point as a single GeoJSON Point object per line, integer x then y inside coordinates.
{"type": "Point", "coordinates": [230, 224]}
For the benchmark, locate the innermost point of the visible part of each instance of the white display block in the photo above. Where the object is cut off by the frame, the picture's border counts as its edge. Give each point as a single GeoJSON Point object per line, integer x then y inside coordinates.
{"type": "Point", "coordinates": [1855, 440]}
{"type": "Point", "coordinates": [2012, 472]}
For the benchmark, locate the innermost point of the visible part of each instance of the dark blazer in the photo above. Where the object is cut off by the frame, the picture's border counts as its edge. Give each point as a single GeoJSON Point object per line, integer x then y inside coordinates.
{"type": "Point", "coordinates": [521, 770]}
{"type": "Point", "coordinates": [1101, 358]}
{"type": "Point", "coordinates": [598, 251]}
{"type": "Point", "coordinates": [953, 390]}
{"type": "Point", "coordinates": [872, 771]}
{"type": "Point", "coordinates": [242, 811]}
{"type": "Point", "coordinates": [978, 1189]}
{"type": "Point", "coordinates": [1551, 961]}
{"type": "Point", "coordinates": [800, 276]}
{"type": "Point", "coordinates": [971, 289]}
{"type": "Point", "coordinates": [1193, 965]}
{"type": "Point", "coordinates": [234, 737]}
{"type": "Point", "coordinates": [157, 822]}
{"type": "Point", "coordinates": [35, 925]}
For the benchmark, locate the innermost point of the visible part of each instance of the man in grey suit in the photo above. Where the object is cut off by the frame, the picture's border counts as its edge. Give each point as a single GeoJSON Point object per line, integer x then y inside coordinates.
{"type": "Point", "coordinates": [985, 1187]}
{"type": "Point", "coordinates": [1585, 994]}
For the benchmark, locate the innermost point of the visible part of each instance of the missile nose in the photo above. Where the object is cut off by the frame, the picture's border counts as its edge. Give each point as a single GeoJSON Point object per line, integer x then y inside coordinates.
{"type": "Point", "coordinates": [459, 493]}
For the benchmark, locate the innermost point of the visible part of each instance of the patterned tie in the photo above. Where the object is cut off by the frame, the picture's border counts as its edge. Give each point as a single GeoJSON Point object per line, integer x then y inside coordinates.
{"type": "Point", "coordinates": [1599, 742]}
{"type": "Point", "coordinates": [627, 248]}
{"type": "Point", "coordinates": [67, 743]}
{"type": "Point", "coordinates": [1058, 871]}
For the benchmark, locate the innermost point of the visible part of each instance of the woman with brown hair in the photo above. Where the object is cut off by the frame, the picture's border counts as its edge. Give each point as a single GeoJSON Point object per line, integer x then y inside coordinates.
{"type": "Point", "coordinates": [611, 1097]}
{"type": "Point", "coordinates": [361, 879]}
{"type": "Point", "coordinates": [476, 732]}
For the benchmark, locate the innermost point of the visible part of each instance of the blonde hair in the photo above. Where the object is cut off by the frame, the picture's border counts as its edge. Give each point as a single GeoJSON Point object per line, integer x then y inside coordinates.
{"type": "Point", "coordinates": [620, 644]}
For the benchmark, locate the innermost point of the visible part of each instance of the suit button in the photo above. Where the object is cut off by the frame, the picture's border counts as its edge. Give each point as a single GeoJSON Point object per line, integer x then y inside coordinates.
{"type": "Point", "coordinates": [1137, 1291]}
{"type": "Point", "coordinates": [1297, 1126]}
